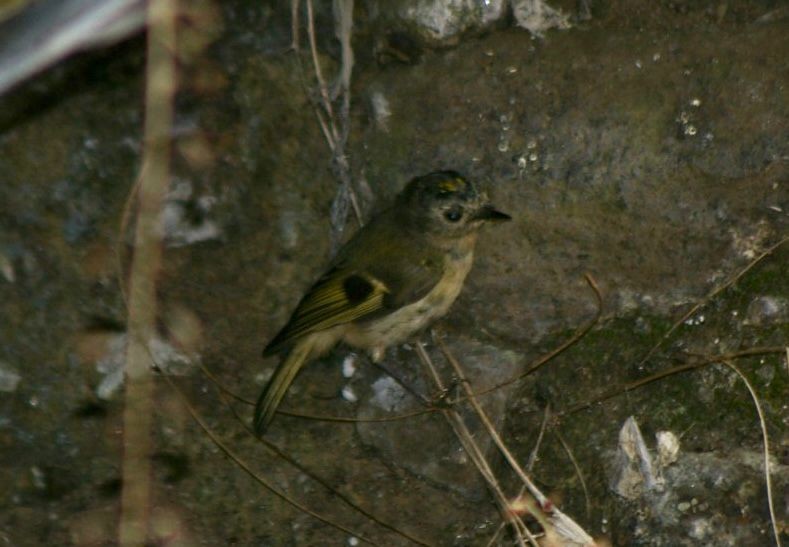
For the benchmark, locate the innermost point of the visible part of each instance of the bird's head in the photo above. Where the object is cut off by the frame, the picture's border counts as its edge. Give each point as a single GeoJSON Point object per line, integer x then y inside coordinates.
{"type": "Point", "coordinates": [446, 203]}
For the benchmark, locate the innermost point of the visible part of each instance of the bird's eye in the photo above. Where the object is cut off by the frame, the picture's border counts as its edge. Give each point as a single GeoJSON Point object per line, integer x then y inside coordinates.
{"type": "Point", "coordinates": [453, 215]}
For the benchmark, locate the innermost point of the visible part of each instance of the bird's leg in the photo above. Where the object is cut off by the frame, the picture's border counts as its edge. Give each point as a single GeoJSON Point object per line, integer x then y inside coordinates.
{"type": "Point", "coordinates": [377, 354]}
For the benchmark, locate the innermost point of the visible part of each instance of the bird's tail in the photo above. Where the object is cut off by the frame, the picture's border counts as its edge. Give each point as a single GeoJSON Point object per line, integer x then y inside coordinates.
{"type": "Point", "coordinates": [276, 388]}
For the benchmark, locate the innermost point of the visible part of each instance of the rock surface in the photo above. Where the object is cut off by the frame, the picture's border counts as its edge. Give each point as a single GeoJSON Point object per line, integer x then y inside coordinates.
{"type": "Point", "coordinates": [646, 146]}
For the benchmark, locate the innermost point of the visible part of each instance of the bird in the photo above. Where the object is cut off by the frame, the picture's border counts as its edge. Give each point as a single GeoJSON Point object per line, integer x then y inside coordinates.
{"type": "Point", "coordinates": [395, 276]}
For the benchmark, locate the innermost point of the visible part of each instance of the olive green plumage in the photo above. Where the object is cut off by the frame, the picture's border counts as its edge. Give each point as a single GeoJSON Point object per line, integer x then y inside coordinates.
{"type": "Point", "coordinates": [397, 274]}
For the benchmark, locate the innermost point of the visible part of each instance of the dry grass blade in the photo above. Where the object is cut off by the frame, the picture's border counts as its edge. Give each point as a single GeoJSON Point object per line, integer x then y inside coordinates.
{"type": "Point", "coordinates": [578, 472]}
{"type": "Point", "coordinates": [766, 442]}
{"type": "Point", "coordinates": [533, 455]}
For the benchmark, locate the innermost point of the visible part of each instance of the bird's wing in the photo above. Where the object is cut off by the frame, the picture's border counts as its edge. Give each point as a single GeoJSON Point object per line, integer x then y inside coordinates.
{"type": "Point", "coordinates": [362, 285]}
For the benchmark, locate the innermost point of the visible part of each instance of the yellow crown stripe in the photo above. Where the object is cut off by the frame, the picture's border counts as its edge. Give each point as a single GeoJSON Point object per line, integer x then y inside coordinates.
{"type": "Point", "coordinates": [452, 185]}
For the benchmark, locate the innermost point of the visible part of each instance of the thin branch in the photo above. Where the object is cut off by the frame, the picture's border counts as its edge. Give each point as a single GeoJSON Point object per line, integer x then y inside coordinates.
{"type": "Point", "coordinates": [294, 25]}
{"type": "Point", "coordinates": [325, 130]}
{"type": "Point", "coordinates": [491, 429]}
{"type": "Point", "coordinates": [120, 244]}
{"type": "Point", "coordinates": [344, 420]}
{"type": "Point", "coordinates": [343, 26]}
{"type": "Point", "coordinates": [317, 478]}
{"type": "Point", "coordinates": [258, 478]}
{"type": "Point", "coordinates": [324, 91]}
{"type": "Point", "coordinates": [766, 441]}
{"type": "Point", "coordinates": [336, 139]}
{"type": "Point", "coordinates": [531, 461]}
{"type": "Point", "coordinates": [580, 333]}
{"type": "Point", "coordinates": [496, 534]}
{"type": "Point", "coordinates": [316, 417]}
{"type": "Point", "coordinates": [669, 372]}
{"type": "Point", "coordinates": [226, 392]}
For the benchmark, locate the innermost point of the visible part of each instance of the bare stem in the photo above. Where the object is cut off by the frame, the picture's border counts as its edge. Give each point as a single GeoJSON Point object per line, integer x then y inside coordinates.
{"type": "Point", "coordinates": [324, 91]}
{"type": "Point", "coordinates": [552, 519]}
{"type": "Point", "coordinates": [138, 408]}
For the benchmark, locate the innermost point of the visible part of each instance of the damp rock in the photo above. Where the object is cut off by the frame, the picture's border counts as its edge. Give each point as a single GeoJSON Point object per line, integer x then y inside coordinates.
{"type": "Point", "coordinates": [686, 511]}
{"type": "Point", "coordinates": [167, 357]}
{"type": "Point", "coordinates": [767, 310]}
{"type": "Point", "coordinates": [9, 378]}
{"type": "Point", "coordinates": [437, 22]}
{"type": "Point", "coordinates": [381, 110]}
{"type": "Point", "coordinates": [187, 217]}
{"type": "Point", "coordinates": [667, 448]}
{"type": "Point", "coordinates": [7, 268]}
{"type": "Point", "coordinates": [349, 365]}
{"type": "Point", "coordinates": [110, 365]}
{"type": "Point", "coordinates": [537, 16]}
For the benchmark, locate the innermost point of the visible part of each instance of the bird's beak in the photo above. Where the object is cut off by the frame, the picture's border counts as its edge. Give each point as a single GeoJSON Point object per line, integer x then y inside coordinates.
{"type": "Point", "coordinates": [489, 212]}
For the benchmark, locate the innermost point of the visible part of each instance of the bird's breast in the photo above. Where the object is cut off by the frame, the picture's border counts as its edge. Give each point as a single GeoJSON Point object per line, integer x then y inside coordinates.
{"type": "Point", "coordinates": [400, 324]}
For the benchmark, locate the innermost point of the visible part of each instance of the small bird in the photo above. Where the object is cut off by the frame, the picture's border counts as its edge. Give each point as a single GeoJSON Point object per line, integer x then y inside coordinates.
{"type": "Point", "coordinates": [395, 276]}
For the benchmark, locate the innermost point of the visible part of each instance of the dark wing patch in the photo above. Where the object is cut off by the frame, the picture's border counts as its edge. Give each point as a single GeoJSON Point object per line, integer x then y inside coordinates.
{"type": "Point", "coordinates": [338, 297]}
{"type": "Point", "coordinates": [357, 288]}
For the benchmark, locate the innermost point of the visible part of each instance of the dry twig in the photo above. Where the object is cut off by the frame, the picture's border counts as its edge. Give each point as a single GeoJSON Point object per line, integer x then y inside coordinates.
{"type": "Point", "coordinates": [316, 417]}
{"type": "Point", "coordinates": [335, 130]}
{"type": "Point", "coordinates": [555, 521]}
{"type": "Point", "coordinates": [153, 183]}
{"type": "Point", "coordinates": [578, 472]}
{"type": "Point", "coordinates": [534, 451]}
{"type": "Point", "coordinates": [225, 392]}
